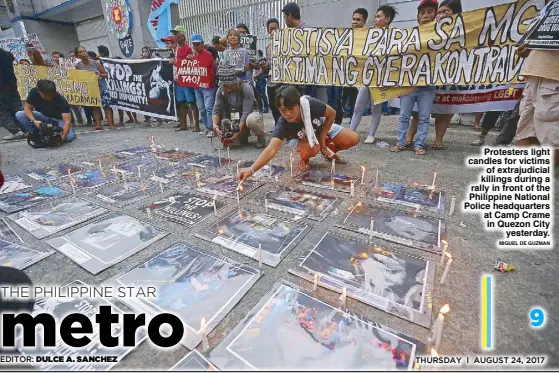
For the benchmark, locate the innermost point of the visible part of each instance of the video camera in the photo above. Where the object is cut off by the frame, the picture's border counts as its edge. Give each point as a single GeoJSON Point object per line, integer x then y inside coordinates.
{"type": "Point", "coordinates": [229, 128]}
{"type": "Point", "coordinates": [49, 135]}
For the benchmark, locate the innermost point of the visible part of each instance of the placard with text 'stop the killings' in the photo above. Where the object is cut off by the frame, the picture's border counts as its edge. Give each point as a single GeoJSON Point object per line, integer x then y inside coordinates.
{"type": "Point", "coordinates": [47, 219]}
{"type": "Point", "coordinates": [405, 228]}
{"type": "Point", "coordinates": [19, 257]}
{"type": "Point", "coordinates": [392, 281]}
{"type": "Point", "coordinates": [23, 200]}
{"type": "Point", "coordinates": [97, 246]}
{"type": "Point", "coordinates": [186, 208]}
{"type": "Point", "coordinates": [244, 230]}
{"type": "Point", "coordinates": [190, 283]}
{"type": "Point", "coordinates": [290, 329]}
{"type": "Point", "coordinates": [60, 307]}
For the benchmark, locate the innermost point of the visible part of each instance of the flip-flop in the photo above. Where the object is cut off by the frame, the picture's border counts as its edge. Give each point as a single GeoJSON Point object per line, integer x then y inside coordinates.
{"type": "Point", "coordinates": [304, 165]}
{"type": "Point", "coordinates": [180, 129]}
{"type": "Point", "coordinates": [437, 147]}
{"type": "Point", "coordinates": [194, 130]}
{"type": "Point", "coordinates": [419, 150]}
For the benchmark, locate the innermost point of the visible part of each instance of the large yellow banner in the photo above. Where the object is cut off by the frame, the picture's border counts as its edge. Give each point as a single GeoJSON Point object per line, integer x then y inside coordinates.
{"type": "Point", "coordinates": [476, 47]}
{"type": "Point", "coordinates": [79, 87]}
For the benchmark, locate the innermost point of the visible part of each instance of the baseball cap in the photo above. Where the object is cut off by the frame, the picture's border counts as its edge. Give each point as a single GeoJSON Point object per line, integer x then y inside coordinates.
{"type": "Point", "coordinates": [196, 38]}
{"type": "Point", "coordinates": [179, 28]}
{"type": "Point", "coordinates": [168, 38]}
{"type": "Point", "coordinates": [434, 3]}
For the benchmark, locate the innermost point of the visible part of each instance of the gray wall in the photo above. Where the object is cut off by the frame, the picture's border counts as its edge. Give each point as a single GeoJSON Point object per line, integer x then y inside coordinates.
{"type": "Point", "coordinates": [334, 13]}
{"type": "Point", "coordinates": [53, 36]}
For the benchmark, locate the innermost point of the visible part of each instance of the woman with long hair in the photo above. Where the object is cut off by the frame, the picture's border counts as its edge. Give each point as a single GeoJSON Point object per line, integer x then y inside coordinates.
{"type": "Point", "coordinates": [35, 57]}
{"type": "Point", "coordinates": [88, 64]}
{"type": "Point", "coordinates": [384, 17]}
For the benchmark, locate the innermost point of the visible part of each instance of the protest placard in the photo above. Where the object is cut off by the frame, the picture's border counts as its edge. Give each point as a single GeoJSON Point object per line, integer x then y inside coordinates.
{"type": "Point", "coordinates": [79, 87]}
{"type": "Point", "coordinates": [249, 43]}
{"type": "Point", "coordinates": [142, 86]}
{"type": "Point", "coordinates": [163, 53]}
{"type": "Point", "coordinates": [476, 47]}
{"type": "Point", "coordinates": [543, 32]}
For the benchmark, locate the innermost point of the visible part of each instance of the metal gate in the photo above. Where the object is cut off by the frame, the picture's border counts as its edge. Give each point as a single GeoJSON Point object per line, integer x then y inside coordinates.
{"type": "Point", "coordinates": [214, 17]}
{"type": "Point", "coordinates": [92, 33]}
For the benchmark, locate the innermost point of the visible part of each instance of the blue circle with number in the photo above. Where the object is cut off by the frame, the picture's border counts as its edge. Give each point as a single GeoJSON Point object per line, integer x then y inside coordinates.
{"type": "Point", "coordinates": [537, 317]}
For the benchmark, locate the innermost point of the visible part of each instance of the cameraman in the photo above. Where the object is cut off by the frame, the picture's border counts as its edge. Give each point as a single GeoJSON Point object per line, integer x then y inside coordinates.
{"type": "Point", "coordinates": [44, 104]}
{"type": "Point", "coordinates": [235, 112]}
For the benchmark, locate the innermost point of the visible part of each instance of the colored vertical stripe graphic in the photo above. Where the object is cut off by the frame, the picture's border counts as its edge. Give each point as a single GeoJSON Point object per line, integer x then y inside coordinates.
{"type": "Point", "coordinates": [486, 314]}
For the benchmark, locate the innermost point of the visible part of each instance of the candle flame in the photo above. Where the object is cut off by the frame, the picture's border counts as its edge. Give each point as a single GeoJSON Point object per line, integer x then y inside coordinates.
{"type": "Point", "coordinates": [363, 168]}
{"type": "Point", "coordinates": [434, 353]}
{"type": "Point", "coordinates": [444, 242]}
{"type": "Point", "coordinates": [445, 309]}
{"type": "Point", "coordinates": [448, 255]}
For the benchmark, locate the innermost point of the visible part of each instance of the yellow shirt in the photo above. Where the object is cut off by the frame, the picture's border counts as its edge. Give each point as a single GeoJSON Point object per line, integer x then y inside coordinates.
{"type": "Point", "coordinates": [542, 64]}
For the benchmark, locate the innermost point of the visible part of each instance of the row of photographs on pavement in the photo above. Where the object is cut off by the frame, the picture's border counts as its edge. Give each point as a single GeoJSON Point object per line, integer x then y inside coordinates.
{"type": "Point", "coordinates": [402, 293]}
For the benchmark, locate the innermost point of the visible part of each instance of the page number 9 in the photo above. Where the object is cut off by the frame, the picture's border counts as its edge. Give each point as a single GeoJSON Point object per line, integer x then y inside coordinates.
{"type": "Point", "coordinates": [537, 317]}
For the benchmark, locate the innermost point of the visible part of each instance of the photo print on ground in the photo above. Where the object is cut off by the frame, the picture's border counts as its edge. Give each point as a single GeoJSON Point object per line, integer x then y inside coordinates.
{"type": "Point", "coordinates": [269, 171]}
{"type": "Point", "coordinates": [210, 161]}
{"type": "Point", "coordinates": [187, 209]}
{"type": "Point", "coordinates": [244, 230]}
{"type": "Point", "coordinates": [194, 361]}
{"type": "Point", "coordinates": [47, 219]}
{"type": "Point", "coordinates": [300, 202]}
{"type": "Point", "coordinates": [54, 173]}
{"type": "Point", "coordinates": [13, 183]}
{"type": "Point", "coordinates": [23, 200]}
{"type": "Point", "coordinates": [191, 283]}
{"type": "Point", "coordinates": [392, 281]}
{"type": "Point", "coordinates": [405, 228]}
{"type": "Point", "coordinates": [17, 256]}
{"type": "Point", "coordinates": [60, 307]}
{"type": "Point", "coordinates": [7, 233]}
{"type": "Point", "coordinates": [92, 178]}
{"type": "Point", "coordinates": [324, 180]}
{"type": "Point", "coordinates": [289, 329]}
{"type": "Point", "coordinates": [126, 192]}
{"type": "Point", "coordinates": [226, 186]}
{"type": "Point", "coordinates": [102, 244]}
{"type": "Point", "coordinates": [414, 195]}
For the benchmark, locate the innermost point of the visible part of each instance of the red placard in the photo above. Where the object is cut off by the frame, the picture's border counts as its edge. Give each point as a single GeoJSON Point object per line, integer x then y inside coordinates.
{"type": "Point", "coordinates": [197, 72]}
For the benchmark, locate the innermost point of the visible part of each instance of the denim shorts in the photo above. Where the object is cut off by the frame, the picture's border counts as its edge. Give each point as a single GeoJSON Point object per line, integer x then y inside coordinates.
{"type": "Point", "coordinates": [334, 131]}
{"type": "Point", "coordinates": [184, 94]}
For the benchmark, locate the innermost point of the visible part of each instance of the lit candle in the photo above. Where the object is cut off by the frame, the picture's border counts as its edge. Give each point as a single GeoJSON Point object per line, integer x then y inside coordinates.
{"type": "Point", "coordinates": [443, 254]}
{"type": "Point", "coordinates": [69, 172]}
{"type": "Point", "coordinates": [139, 172]}
{"type": "Point", "coordinates": [438, 333]}
{"type": "Point", "coordinates": [215, 206]}
{"type": "Point", "coordinates": [228, 154]}
{"type": "Point", "coordinates": [100, 165]}
{"type": "Point", "coordinates": [333, 171]}
{"type": "Point", "coordinates": [291, 163]}
{"type": "Point", "coordinates": [238, 165]}
{"type": "Point", "coordinates": [148, 210]}
{"type": "Point", "coordinates": [315, 283]}
{"type": "Point", "coordinates": [362, 174]}
{"type": "Point", "coordinates": [73, 187]}
{"type": "Point", "coordinates": [446, 269]}
{"type": "Point", "coordinates": [219, 155]}
{"type": "Point", "coordinates": [452, 205]}
{"type": "Point", "coordinates": [260, 256]}
{"type": "Point", "coordinates": [343, 296]}
{"type": "Point", "coordinates": [203, 334]}
{"type": "Point", "coordinates": [266, 204]}
{"type": "Point", "coordinates": [434, 180]}
{"type": "Point", "coordinates": [161, 187]}
{"type": "Point", "coordinates": [197, 179]}
{"type": "Point", "coordinates": [371, 229]}
{"type": "Point", "coordinates": [352, 190]}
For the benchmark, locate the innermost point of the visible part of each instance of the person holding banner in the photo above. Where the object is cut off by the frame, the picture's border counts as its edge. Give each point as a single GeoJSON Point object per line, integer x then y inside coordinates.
{"type": "Point", "coordinates": [422, 96]}
{"type": "Point", "coordinates": [308, 126]}
{"type": "Point", "coordinates": [184, 95]}
{"type": "Point", "coordinates": [91, 65]}
{"type": "Point", "coordinates": [205, 93]}
{"type": "Point", "coordinates": [384, 17]}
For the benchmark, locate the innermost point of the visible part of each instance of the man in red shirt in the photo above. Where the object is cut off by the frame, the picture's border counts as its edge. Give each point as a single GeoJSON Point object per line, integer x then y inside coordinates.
{"type": "Point", "coordinates": [205, 93]}
{"type": "Point", "coordinates": [184, 96]}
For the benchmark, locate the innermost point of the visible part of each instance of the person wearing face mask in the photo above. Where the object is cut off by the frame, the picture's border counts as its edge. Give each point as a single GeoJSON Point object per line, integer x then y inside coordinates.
{"type": "Point", "coordinates": [383, 18]}
{"type": "Point", "coordinates": [422, 96]}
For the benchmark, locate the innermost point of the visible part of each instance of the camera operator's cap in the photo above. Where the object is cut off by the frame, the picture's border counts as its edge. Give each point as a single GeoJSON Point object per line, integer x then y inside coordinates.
{"type": "Point", "coordinates": [196, 38]}
{"type": "Point", "coordinates": [168, 38]}
{"type": "Point", "coordinates": [178, 28]}
{"type": "Point", "coordinates": [423, 3]}
{"type": "Point", "coordinates": [227, 75]}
